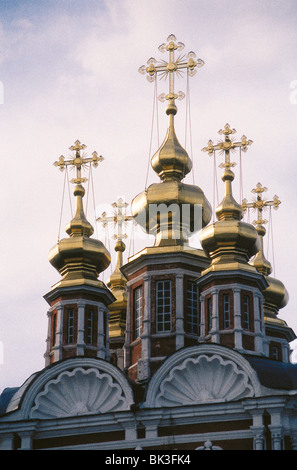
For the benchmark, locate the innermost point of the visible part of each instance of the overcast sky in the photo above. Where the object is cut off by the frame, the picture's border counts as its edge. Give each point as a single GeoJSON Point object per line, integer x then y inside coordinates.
{"type": "Point", "coordinates": [69, 70]}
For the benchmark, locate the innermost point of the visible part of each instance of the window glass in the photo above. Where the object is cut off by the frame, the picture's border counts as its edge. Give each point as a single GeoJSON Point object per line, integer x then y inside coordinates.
{"type": "Point", "coordinates": [163, 306]}
{"type": "Point", "coordinates": [70, 326]}
{"type": "Point", "coordinates": [226, 310]}
{"type": "Point", "coordinates": [246, 312]}
{"type": "Point", "coordinates": [192, 311]}
{"type": "Point", "coordinates": [90, 326]}
{"type": "Point", "coordinates": [137, 312]}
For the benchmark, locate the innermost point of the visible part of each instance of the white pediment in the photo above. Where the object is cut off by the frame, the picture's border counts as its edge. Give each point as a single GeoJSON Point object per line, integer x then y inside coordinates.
{"type": "Point", "coordinates": [202, 374]}
{"type": "Point", "coordinates": [75, 387]}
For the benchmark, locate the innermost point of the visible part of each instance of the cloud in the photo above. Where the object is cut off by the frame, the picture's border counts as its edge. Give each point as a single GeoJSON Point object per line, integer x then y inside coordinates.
{"type": "Point", "coordinates": [70, 71]}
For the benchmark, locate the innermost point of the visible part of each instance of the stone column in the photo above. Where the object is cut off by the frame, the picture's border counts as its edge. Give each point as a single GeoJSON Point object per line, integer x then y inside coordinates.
{"type": "Point", "coordinates": [81, 328]}
{"type": "Point", "coordinates": [237, 318]}
{"type": "Point", "coordinates": [294, 439]}
{"type": "Point", "coordinates": [258, 430]}
{"type": "Point", "coordinates": [144, 362]}
{"type": "Point", "coordinates": [26, 440]}
{"type": "Point", "coordinates": [151, 427]}
{"type": "Point", "coordinates": [276, 430]}
{"type": "Point", "coordinates": [127, 359]}
{"type": "Point", "coordinates": [215, 327]}
{"type": "Point", "coordinates": [107, 349]}
{"type": "Point", "coordinates": [259, 348]}
{"type": "Point", "coordinates": [57, 348]}
{"type": "Point", "coordinates": [101, 337]}
{"type": "Point", "coordinates": [202, 316]}
{"type": "Point", "coordinates": [180, 332]}
{"type": "Point", "coordinates": [48, 339]}
{"type": "Point", "coordinates": [6, 441]}
{"type": "Point", "coordinates": [276, 438]}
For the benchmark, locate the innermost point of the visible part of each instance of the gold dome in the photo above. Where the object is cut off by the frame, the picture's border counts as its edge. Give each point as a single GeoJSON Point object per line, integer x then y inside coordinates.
{"type": "Point", "coordinates": [229, 242]}
{"type": "Point", "coordinates": [171, 161]}
{"type": "Point", "coordinates": [117, 284]}
{"type": "Point", "coordinates": [171, 210]}
{"type": "Point", "coordinates": [275, 295]}
{"type": "Point", "coordinates": [79, 258]}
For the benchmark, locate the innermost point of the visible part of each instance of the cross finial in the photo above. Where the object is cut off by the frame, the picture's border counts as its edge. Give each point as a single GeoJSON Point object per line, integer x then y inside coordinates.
{"type": "Point", "coordinates": [119, 219]}
{"type": "Point", "coordinates": [227, 145]}
{"type": "Point", "coordinates": [259, 204]}
{"type": "Point", "coordinates": [171, 67]}
{"type": "Point", "coordinates": [78, 161]}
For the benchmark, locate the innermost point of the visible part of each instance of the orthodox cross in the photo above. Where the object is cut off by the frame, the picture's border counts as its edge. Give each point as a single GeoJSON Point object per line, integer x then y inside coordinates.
{"type": "Point", "coordinates": [119, 219]}
{"type": "Point", "coordinates": [79, 161]}
{"type": "Point", "coordinates": [227, 145]}
{"type": "Point", "coordinates": [172, 67]}
{"type": "Point", "coordinates": [259, 204]}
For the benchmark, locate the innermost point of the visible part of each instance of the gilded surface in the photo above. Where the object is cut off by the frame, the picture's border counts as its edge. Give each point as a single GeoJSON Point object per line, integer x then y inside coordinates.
{"type": "Point", "coordinates": [79, 258]}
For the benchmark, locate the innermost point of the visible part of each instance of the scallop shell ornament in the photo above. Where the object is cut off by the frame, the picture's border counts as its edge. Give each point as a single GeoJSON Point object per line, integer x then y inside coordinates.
{"type": "Point", "coordinates": [79, 392]}
{"type": "Point", "coordinates": [204, 379]}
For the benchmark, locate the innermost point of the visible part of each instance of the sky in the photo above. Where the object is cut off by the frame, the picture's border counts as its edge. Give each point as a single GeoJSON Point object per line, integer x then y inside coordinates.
{"type": "Point", "coordinates": [69, 70]}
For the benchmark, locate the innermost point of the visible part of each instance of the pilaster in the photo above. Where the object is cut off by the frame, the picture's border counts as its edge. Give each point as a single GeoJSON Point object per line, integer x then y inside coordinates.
{"type": "Point", "coordinates": [180, 333]}
{"type": "Point", "coordinates": [237, 318]}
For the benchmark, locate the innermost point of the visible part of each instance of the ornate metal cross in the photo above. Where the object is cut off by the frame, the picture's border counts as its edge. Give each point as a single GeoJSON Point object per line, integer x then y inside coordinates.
{"type": "Point", "coordinates": [119, 219]}
{"type": "Point", "coordinates": [172, 67]}
{"type": "Point", "coordinates": [227, 145]}
{"type": "Point", "coordinates": [79, 161]}
{"type": "Point", "coordinates": [259, 204]}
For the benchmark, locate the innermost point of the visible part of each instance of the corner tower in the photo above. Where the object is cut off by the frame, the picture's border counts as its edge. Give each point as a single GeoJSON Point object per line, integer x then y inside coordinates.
{"type": "Point", "coordinates": [78, 314]}
{"type": "Point", "coordinates": [231, 288]}
{"type": "Point", "coordinates": [278, 334]}
{"type": "Point", "coordinates": [163, 307]}
{"type": "Point", "coordinates": [117, 283]}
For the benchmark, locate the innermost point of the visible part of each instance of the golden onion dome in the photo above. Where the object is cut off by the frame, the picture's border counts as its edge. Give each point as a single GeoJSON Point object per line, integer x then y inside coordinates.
{"type": "Point", "coordinates": [275, 295]}
{"type": "Point", "coordinates": [229, 242]}
{"type": "Point", "coordinates": [117, 284]}
{"type": "Point", "coordinates": [171, 210]}
{"type": "Point", "coordinates": [79, 258]}
{"type": "Point", "coordinates": [171, 161]}
{"type": "Point", "coordinates": [117, 280]}
{"type": "Point", "coordinates": [262, 265]}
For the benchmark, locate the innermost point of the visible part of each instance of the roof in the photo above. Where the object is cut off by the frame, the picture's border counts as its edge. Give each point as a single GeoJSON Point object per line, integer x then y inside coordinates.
{"type": "Point", "coordinates": [274, 374]}
{"type": "Point", "coordinates": [5, 398]}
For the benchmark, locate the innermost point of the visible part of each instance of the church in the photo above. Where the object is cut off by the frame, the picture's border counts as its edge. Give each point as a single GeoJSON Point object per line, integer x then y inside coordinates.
{"type": "Point", "coordinates": [182, 347]}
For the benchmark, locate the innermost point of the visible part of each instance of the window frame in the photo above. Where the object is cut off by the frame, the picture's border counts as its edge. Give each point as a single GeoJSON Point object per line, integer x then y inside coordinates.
{"type": "Point", "coordinates": [70, 319]}
{"type": "Point", "coordinates": [208, 314]}
{"type": "Point", "coordinates": [163, 306]}
{"type": "Point", "coordinates": [226, 311]}
{"type": "Point", "coordinates": [246, 313]}
{"type": "Point", "coordinates": [192, 311]}
{"type": "Point", "coordinates": [137, 311]}
{"type": "Point", "coordinates": [90, 315]}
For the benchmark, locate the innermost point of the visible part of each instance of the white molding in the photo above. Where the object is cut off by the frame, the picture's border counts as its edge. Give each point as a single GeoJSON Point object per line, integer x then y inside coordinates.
{"type": "Point", "coordinates": [26, 397]}
{"type": "Point", "coordinates": [181, 370]}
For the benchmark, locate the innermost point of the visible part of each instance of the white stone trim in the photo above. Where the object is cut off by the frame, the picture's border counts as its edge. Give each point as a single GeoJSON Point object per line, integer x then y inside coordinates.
{"type": "Point", "coordinates": [179, 362]}
{"type": "Point", "coordinates": [54, 373]}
